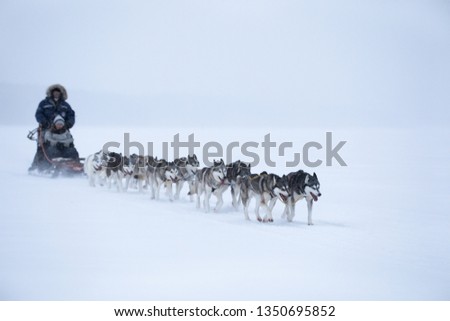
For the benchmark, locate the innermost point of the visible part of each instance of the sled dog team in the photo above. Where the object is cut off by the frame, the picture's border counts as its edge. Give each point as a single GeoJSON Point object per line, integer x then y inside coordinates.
{"type": "Point", "coordinates": [154, 173]}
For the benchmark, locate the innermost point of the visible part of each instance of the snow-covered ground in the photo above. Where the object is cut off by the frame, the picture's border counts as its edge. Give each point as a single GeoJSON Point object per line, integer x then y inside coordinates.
{"type": "Point", "coordinates": [381, 227]}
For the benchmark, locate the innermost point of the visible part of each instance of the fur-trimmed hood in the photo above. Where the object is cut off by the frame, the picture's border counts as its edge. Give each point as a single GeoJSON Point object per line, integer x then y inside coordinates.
{"type": "Point", "coordinates": [60, 87]}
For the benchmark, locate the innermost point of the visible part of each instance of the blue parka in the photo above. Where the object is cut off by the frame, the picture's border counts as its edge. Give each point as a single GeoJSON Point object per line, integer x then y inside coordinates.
{"type": "Point", "coordinates": [48, 109]}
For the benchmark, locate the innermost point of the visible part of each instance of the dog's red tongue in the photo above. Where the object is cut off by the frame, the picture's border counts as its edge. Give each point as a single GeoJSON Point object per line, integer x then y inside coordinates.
{"type": "Point", "coordinates": [314, 196]}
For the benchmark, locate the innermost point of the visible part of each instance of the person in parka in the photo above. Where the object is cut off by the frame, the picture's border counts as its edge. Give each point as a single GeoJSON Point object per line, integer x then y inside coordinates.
{"type": "Point", "coordinates": [52, 106]}
{"type": "Point", "coordinates": [55, 104]}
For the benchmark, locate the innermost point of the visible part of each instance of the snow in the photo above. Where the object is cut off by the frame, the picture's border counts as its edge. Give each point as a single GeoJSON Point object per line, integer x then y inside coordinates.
{"type": "Point", "coordinates": [375, 74]}
{"type": "Point", "coordinates": [380, 233]}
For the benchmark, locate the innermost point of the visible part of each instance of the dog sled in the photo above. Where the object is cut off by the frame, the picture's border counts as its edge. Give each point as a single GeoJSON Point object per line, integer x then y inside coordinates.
{"type": "Point", "coordinates": [55, 156]}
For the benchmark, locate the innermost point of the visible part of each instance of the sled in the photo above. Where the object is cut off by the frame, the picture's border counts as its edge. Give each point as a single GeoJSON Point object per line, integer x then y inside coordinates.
{"type": "Point", "coordinates": [54, 167]}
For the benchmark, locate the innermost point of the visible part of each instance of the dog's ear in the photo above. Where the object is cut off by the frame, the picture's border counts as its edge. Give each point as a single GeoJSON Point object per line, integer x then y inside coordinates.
{"type": "Point", "coordinates": [314, 175]}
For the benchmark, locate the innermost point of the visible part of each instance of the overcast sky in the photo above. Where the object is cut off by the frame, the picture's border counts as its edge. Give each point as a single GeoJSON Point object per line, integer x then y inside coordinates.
{"type": "Point", "coordinates": [361, 60]}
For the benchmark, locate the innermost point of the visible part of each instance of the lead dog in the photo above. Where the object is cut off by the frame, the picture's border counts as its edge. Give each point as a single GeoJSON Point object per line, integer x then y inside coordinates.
{"type": "Point", "coordinates": [302, 186]}
{"type": "Point", "coordinates": [266, 189]}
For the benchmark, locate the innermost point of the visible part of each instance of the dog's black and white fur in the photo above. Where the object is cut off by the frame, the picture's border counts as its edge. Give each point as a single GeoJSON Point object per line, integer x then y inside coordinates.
{"type": "Point", "coordinates": [236, 171]}
{"type": "Point", "coordinates": [114, 170]}
{"type": "Point", "coordinates": [152, 162]}
{"type": "Point", "coordinates": [266, 189]}
{"type": "Point", "coordinates": [164, 173]}
{"type": "Point", "coordinates": [139, 171]}
{"type": "Point", "coordinates": [187, 167]}
{"type": "Point", "coordinates": [95, 168]}
{"type": "Point", "coordinates": [211, 180]}
{"type": "Point", "coordinates": [128, 164]}
{"type": "Point", "coordinates": [301, 185]}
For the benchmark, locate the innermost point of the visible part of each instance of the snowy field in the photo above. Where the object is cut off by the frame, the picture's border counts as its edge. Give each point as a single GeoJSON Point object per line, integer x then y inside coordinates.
{"type": "Point", "coordinates": [381, 227]}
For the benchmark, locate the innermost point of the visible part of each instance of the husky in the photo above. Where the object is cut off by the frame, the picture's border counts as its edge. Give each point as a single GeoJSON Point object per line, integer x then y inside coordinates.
{"type": "Point", "coordinates": [266, 189]}
{"type": "Point", "coordinates": [165, 173]}
{"type": "Point", "coordinates": [302, 185]}
{"type": "Point", "coordinates": [128, 163]}
{"type": "Point", "coordinates": [138, 171]}
{"type": "Point", "coordinates": [211, 180]}
{"type": "Point", "coordinates": [114, 170]}
{"type": "Point", "coordinates": [95, 168]}
{"type": "Point", "coordinates": [187, 167]}
{"type": "Point", "coordinates": [151, 163]}
{"type": "Point", "coordinates": [235, 173]}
